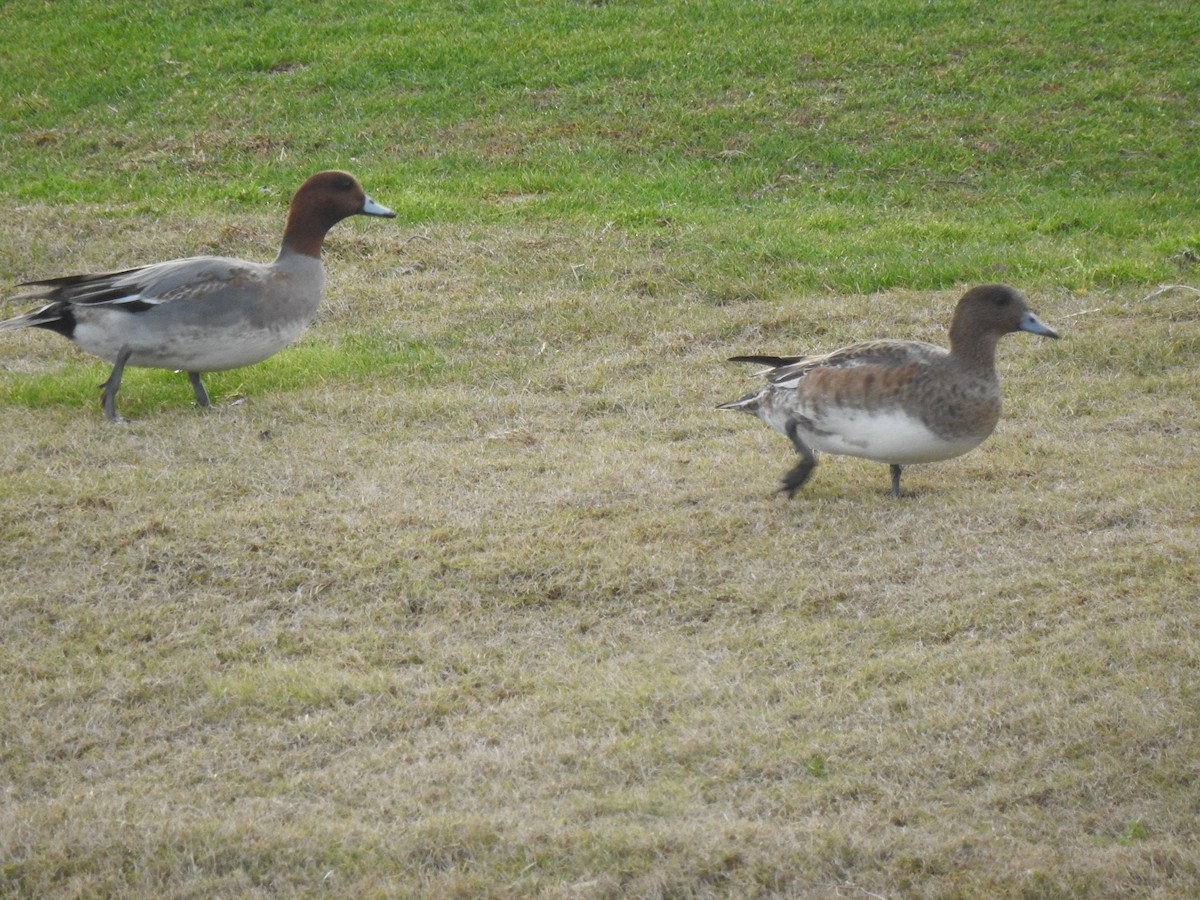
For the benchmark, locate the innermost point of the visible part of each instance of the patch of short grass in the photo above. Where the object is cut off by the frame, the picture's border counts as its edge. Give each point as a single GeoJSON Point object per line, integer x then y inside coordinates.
{"type": "Point", "coordinates": [413, 636]}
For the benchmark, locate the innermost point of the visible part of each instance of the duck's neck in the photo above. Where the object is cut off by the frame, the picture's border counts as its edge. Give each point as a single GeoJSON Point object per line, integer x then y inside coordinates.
{"type": "Point", "coordinates": [974, 351]}
{"type": "Point", "coordinates": [303, 235]}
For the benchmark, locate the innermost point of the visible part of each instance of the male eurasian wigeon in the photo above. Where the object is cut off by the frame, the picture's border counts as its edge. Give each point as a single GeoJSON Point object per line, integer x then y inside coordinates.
{"type": "Point", "coordinates": [205, 313]}
{"type": "Point", "coordinates": [896, 402]}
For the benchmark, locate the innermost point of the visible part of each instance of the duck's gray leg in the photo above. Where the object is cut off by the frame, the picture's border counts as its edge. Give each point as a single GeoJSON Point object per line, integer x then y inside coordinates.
{"type": "Point", "coordinates": [198, 388]}
{"type": "Point", "coordinates": [109, 398]}
{"type": "Point", "coordinates": [895, 480]}
{"type": "Point", "coordinates": [796, 477]}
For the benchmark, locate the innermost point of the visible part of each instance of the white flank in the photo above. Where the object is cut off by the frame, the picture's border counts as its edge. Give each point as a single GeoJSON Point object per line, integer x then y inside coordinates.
{"type": "Point", "coordinates": [889, 437]}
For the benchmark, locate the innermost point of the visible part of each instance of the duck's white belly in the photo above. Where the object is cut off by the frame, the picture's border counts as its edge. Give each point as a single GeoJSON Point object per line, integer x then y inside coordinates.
{"type": "Point", "coordinates": [189, 347]}
{"type": "Point", "coordinates": [192, 346]}
{"type": "Point", "coordinates": [889, 437]}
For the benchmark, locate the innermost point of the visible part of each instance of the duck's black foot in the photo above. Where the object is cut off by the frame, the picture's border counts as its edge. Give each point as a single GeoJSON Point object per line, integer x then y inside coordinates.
{"type": "Point", "coordinates": [795, 478]}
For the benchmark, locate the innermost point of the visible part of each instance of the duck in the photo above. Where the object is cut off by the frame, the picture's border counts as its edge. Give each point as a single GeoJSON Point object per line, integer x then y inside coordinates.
{"type": "Point", "coordinates": [203, 313]}
{"type": "Point", "coordinates": [893, 401]}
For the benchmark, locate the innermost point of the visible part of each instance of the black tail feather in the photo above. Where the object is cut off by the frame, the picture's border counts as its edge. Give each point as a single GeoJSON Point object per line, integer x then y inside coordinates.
{"type": "Point", "coordinates": [774, 362]}
{"type": "Point", "coordinates": [53, 317]}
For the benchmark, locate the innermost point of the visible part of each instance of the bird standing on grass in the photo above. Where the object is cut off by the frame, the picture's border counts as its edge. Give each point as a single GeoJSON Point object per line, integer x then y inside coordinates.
{"type": "Point", "coordinates": [895, 402]}
{"type": "Point", "coordinates": [205, 313]}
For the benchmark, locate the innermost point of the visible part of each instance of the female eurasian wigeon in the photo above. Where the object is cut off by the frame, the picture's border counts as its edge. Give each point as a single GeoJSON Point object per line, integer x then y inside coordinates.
{"type": "Point", "coordinates": [896, 402]}
{"type": "Point", "coordinates": [205, 313]}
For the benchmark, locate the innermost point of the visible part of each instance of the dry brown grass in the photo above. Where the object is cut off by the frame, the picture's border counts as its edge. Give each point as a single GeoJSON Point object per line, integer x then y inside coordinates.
{"type": "Point", "coordinates": [536, 624]}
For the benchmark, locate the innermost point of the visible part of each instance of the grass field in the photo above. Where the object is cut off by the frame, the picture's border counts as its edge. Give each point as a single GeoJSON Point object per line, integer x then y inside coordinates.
{"type": "Point", "coordinates": [472, 592]}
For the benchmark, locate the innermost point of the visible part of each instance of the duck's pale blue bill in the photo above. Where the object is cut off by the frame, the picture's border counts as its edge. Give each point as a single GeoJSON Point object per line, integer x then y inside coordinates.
{"type": "Point", "coordinates": [1034, 325]}
{"type": "Point", "coordinates": [371, 208]}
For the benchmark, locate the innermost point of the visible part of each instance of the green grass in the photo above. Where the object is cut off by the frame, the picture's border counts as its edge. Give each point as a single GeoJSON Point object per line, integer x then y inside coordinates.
{"type": "Point", "coordinates": [472, 592]}
{"type": "Point", "coordinates": [891, 144]}
{"type": "Point", "coordinates": [352, 358]}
